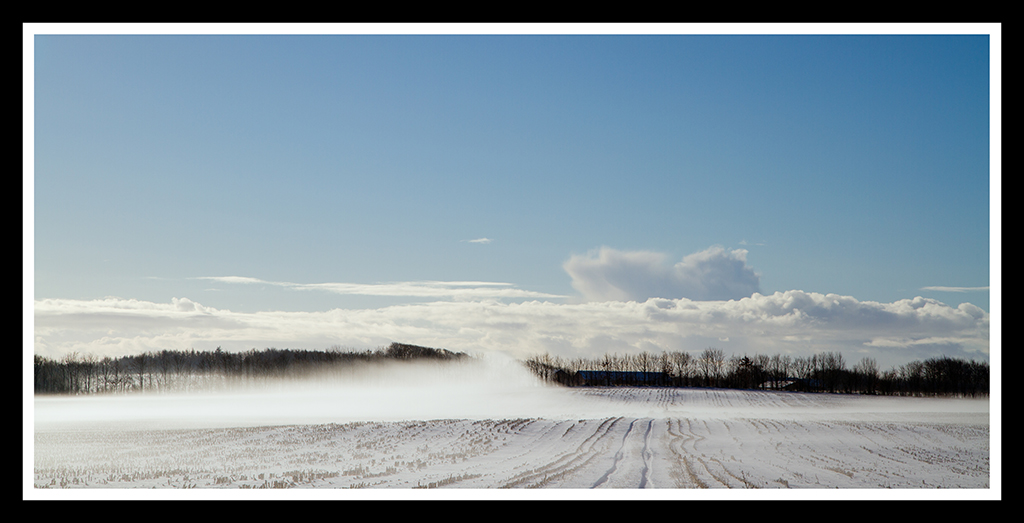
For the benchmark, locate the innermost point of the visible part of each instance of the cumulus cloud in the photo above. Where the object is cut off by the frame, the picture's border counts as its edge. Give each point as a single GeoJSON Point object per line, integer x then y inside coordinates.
{"type": "Point", "coordinates": [711, 274]}
{"type": "Point", "coordinates": [791, 322]}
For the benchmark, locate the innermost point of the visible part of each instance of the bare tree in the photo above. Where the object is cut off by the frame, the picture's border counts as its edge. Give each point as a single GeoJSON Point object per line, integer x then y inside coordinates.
{"type": "Point", "coordinates": [832, 366]}
{"type": "Point", "coordinates": [609, 363]}
{"type": "Point", "coordinates": [803, 367]}
{"type": "Point", "coordinates": [577, 364]}
{"type": "Point", "coordinates": [683, 366]}
{"type": "Point", "coordinates": [141, 363]}
{"type": "Point", "coordinates": [88, 364]}
{"type": "Point", "coordinates": [780, 366]}
{"type": "Point", "coordinates": [711, 364]}
{"type": "Point", "coordinates": [866, 372]}
{"type": "Point", "coordinates": [645, 362]}
{"type": "Point", "coordinates": [665, 363]}
{"type": "Point", "coordinates": [71, 370]}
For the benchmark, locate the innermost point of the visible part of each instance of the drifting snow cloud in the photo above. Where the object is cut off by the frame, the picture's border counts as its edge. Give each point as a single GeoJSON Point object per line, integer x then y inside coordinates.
{"type": "Point", "coordinates": [711, 274]}
{"type": "Point", "coordinates": [792, 322]}
{"type": "Point", "coordinates": [417, 289]}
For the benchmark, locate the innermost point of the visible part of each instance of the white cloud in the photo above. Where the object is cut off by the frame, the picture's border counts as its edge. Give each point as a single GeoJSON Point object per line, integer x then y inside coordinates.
{"type": "Point", "coordinates": [233, 279]}
{"type": "Point", "coordinates": [479, 240]}
{"type": "Point", "coordinates": [417, 289]}
{"type": "Point", "coordinates": [711, 274]}
{"type": "Point", "coordinates": [954, 289]}
{"type": "Point", "coordinates": [792, 322]}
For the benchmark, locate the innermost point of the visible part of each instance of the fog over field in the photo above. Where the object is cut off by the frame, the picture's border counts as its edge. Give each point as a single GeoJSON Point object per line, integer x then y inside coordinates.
{"type": "Point", "coordinates": [495, 387]}
{"type": "Point", "coordinates": [488, 424]}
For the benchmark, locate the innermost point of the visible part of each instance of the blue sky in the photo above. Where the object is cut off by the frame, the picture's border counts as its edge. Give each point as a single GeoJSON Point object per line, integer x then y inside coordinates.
{"type": "Point", "coordinates": [299, 174]}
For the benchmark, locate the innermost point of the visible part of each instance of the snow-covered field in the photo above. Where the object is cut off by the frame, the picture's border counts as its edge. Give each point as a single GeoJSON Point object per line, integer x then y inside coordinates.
{"type": "Point", "coordinates": [449, 429]}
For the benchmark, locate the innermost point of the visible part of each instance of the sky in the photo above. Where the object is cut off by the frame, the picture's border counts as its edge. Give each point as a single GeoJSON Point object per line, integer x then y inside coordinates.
{"type": "Point", "coordinates": [551, 189]}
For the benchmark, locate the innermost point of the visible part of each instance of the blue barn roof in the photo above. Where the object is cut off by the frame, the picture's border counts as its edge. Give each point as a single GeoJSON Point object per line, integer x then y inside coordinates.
{"type": "Point", "coordinates": [598, 374]}
{"type": "Point", "coordinates": [621, 377]}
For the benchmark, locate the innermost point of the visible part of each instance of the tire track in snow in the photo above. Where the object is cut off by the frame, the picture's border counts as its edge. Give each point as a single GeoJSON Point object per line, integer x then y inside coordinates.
{"type": "Point", "coordinates": [564, 463]}
{"type": "Point", "coordinates": [677, 446]}
{"type": "Point", "coordinates": [645, 454]}
{"type": "Point", "coordinates": [620, 454]}
{"type": "Point", "coordinates": [618, 458]}
{"type": "Point", "coordinates": [703, 460]}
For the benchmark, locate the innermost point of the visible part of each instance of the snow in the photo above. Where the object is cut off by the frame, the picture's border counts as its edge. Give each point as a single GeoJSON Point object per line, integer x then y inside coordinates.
{"type": "Point", "coordinates": [496, 432]}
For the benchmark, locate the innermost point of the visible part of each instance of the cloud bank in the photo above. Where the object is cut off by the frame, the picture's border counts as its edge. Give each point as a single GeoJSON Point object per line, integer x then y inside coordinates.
{"type": "Point", "coordinates": [635, 301]}
{"type": "Point", "coordinates": [792, 322]}
{"type": "Point", "coordinates": [712, 274]}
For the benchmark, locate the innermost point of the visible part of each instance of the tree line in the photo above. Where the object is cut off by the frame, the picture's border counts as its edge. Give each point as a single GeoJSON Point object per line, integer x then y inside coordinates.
{"type": "Point", "coordinates": [821, 372]}
{"type": "Point", "coordinates": [186, 370]}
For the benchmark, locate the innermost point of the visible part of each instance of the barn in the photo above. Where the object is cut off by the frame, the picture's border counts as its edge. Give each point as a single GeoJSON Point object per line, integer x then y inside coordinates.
{"type": "Point", "coordinates": [605, 378]}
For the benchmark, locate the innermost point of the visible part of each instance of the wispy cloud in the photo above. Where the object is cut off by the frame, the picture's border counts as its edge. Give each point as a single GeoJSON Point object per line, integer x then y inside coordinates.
{"type": "Point", "coordinates": [711, 274]}
{"type": "Point", "coordinates": [479, 240]}
{"type": "Point", "coordinates": [417, 289]}
{"type": "Point", "coordinates": [954, 289]}
{"type": "Point", "coordinates": [233, 279]}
